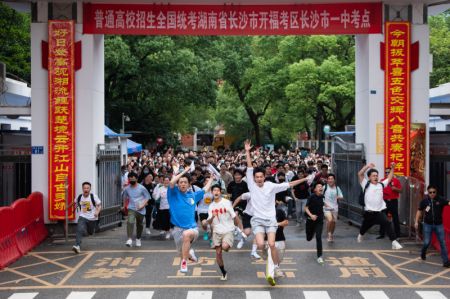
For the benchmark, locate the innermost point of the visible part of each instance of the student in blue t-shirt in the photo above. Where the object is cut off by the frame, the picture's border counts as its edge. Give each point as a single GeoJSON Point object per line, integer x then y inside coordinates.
{"type": "Point", "coordinates": [182, 202]}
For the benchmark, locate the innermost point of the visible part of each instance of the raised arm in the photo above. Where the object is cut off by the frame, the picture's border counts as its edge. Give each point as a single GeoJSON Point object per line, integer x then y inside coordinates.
{"type": "Point", "coordinates": [363, 171]}
{"type": "Point", "coordinates": [175, 178]}
{"type": "Point", "coordinates": [248, 147]}
{"type": "Point", "coordinates": [391, 173]}
{"type": "Point", "coordinates": [208, 185]}
{"type": "Point", "coordinates": [297, 182]}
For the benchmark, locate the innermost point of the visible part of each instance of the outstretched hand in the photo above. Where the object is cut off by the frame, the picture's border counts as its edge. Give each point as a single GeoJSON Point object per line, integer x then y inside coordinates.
{"type": "Point", "coordinates": [247, 145]}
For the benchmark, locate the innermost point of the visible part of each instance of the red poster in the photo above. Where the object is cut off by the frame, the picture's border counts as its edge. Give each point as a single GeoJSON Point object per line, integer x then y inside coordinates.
{"type": "Point", "coordinates": [61, 117]}
{"type": "Point", "coordinates": [397, 96]}
{"type": "Point", "coordinates": [296, 19]}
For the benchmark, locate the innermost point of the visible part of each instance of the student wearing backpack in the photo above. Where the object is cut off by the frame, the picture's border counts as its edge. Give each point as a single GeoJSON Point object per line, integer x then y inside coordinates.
{"type": "Point", "coordinates": [90, 206]}
{"type": "Point", "coordinates": [373, 202]}
{"type": "Point", "coordinates": [332, 194]}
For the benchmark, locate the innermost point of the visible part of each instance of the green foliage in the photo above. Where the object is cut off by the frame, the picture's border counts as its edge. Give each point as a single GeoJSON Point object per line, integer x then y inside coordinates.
{"type": "Point", "coordinates": [15, 42]}
{"type": "Point", "coordinates": [440, 48]}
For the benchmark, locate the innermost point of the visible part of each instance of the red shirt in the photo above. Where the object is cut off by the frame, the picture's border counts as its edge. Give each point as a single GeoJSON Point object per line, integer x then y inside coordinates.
{"type": "Point", "coordinates": [388, 193]}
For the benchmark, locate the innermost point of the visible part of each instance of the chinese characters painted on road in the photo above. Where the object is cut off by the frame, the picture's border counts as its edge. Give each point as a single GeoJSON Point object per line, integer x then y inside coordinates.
{"type": "Point", "coordinates": [152, 19]}
{"type": "Point", "coordinates": [397, 97]}
{"type": "Point", "coordinates": [61, 116]}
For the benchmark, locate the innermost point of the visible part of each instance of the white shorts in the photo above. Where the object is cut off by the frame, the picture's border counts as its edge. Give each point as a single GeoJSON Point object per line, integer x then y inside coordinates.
{"type": "Point", "coordinates": [260, 225]}
{"type": "Point", "coordinates": [333, 213]}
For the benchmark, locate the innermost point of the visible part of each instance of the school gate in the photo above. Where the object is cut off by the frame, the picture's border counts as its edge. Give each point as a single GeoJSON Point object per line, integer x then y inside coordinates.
{"type": "Point", "coordinates": [67, 44]}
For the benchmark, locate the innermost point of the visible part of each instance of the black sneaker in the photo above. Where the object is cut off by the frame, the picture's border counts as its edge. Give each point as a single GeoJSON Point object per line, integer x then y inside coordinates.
{"type": "Point", "coordinates": [446, 264]}
{"type": "Point", "coordinates": [423, 256]}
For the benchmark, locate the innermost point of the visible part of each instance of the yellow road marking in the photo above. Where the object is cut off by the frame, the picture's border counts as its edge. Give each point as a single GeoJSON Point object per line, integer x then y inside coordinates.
{"type": "Point", "coordinates": [40, 275]}
{"type": "Point", "coordinates": [75, 269]}
{"type": "Point", "coordinates": [43, 262]}
{"type": "Point", "coordinates": [422, 273]}
{"type": "Point", "coordinates": [399, 274]}
{"type": "Point", "coordinates": [227, 286]}
{"type": "Point", "coordinates": [433, 276]}
{"type": "Point", "coordinates": [52, 261]}
{"type": "Point", "coordinates": [29, 277]}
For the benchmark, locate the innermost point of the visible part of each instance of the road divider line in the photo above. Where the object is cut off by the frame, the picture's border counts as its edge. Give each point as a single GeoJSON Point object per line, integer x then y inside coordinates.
{"type": "Point", "coordinates": [140, 295]}
{"type": "Point", "coordinates": [373, 295]}
{"type": "Point", "coordinates": [75, 269]}
{"type": "Point", "coordinates": [431, 295]}
{"type": "Point", "coordinates": [81, 295]}
{"type": "Point", "coordinates": [23, 296]}
{"type": "Point", "coordinates": [199, 295]}
{"type": "Point", "coordinates": [316, 295]}
{"type": "Point", "coordinates": [257, 295]}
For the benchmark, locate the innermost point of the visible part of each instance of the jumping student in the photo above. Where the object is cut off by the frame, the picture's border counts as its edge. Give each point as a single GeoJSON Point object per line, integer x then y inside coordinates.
{"type": "Point", "coordinates": [314, 222]}
{"type": "Point", "coordinates": [222, 218]}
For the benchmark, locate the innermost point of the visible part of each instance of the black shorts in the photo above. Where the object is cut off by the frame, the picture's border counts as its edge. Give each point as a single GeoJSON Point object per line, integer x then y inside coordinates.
{"type": "Point", "coordinates": [246, 220]}
{"type": "Point", "coordinates": [203, 216]}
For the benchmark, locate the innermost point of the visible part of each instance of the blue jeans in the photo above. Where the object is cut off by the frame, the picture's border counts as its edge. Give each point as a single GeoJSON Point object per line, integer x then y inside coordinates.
{"type": "Point", "coordinates": [428, 229]}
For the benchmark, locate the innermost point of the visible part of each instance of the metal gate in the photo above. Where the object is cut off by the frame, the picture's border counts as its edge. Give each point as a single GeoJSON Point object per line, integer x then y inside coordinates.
{"type": "Point", "coordinates": [347, 161]}
{"type": "Point", "coordinates": [15, 173]}
{"type": "Point", "coordinates": [109, 192]}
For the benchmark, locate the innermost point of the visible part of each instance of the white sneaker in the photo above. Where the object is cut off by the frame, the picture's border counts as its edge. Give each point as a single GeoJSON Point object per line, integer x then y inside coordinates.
{"type": "Point", "coordinates": [167, 236]}
{"type": "Point", "coordinates": [76, 249]}
{"type": "Point", "coordinates": [255, 255]}
{"type": "Point", "coordinates": [129, 243]}
{"type": "Point", "coordinates": [320, 261]}
{"type": "Point", "coordinates": [224, 277]}
{"type": "Point", "coordinates": [138, 243]}
{"type": "Point", "coordinates": [162, 233]}
{"type": "Point", "coordinates": [193, 256]}
{"type": "Point", "coordinates": [359, 239]}
{"type": "Point", "coordinates": [240, 244]}
{"type": "Point", "coordinates": [396, 245]}
{"type": "Point", "coordinates": [278, 272]}
{"type": "Point", "coordinates": [148, 232]}
{"type": "Point", "coordinates": [183, 266]}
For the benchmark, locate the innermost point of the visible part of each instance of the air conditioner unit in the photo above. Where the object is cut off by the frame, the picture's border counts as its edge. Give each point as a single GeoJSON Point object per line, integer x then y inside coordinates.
{"type": "Point", "coordinates": [2, 77]}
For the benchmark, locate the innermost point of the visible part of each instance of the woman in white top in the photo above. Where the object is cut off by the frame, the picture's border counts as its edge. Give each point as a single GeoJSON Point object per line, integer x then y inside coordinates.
{"type": "Point", "coordinates": [162, 221]}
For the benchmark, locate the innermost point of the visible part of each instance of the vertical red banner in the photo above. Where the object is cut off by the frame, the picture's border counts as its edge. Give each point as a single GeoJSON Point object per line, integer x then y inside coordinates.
{"type": "Point", "coordinates": [397, 96]}
{"type": "Point", "coordinates": [61, 117]}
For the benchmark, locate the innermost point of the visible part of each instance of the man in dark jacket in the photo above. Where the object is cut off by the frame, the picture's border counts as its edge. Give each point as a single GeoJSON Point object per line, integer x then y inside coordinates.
{"type": "Point", "coordinates": [431, 208]}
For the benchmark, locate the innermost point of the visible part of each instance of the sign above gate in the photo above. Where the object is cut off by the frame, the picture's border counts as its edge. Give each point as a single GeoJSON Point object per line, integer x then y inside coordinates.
{"type": "Point", "coordinates": [298, 19]}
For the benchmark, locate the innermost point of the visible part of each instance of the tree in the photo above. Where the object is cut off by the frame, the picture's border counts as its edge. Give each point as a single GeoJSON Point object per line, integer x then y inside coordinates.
{"type": "Point", "coordinates": [440, 48]}
{"type": "Point", "coordinates": [15, 42]}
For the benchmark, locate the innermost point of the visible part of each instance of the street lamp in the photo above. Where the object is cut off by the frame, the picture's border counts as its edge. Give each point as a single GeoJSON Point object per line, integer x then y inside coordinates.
{"type": "Point", "coordinates": [124, 119]}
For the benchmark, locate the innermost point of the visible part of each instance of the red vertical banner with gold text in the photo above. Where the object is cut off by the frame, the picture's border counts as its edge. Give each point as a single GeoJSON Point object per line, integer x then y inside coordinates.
{"type": "Point", "coordinates": [61, 117]}
{"type": "Point", "coordinates": [397, 96]}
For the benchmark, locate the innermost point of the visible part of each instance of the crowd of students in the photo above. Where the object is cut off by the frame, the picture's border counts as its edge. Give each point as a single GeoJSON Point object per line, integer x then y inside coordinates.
{"type": "Point", "coordinates": [236, 194]}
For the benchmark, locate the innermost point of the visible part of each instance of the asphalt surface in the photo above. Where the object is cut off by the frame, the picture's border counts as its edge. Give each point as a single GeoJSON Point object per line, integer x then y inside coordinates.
{"type": "Point", "coordinates": [106, 268]}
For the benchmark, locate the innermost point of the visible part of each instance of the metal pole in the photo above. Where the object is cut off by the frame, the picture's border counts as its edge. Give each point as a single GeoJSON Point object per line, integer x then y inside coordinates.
{"type": "Point", "coordinates": [123, 123]}
{"type": "Point", "coordinates": [66, 212]}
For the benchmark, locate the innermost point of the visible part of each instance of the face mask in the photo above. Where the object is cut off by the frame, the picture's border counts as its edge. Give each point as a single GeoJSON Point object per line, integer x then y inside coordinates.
{"type": "Point", "coordinates": [146, 171]}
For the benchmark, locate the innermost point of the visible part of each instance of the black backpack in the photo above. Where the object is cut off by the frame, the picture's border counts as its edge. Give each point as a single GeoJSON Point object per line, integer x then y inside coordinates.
{"type": "Point", "coordinates": [363, 193]}
{"type": "Point", "coordinates": [92, 200]}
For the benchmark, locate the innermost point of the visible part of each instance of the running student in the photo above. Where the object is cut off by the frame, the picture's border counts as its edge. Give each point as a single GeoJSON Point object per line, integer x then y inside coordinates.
{"type": "Point", "coordinates": [314, 222]}
{"type": "Point", "coordinates": [374, 203]}
{"type": "Point", "coordinates": [332, 194]}
{"type": "Point", "coordinates": [182, 202]}
{"type": "Point", "coordinates": [263, 205]}
{"type": "Point", "coordinates": [90, 206]}
{"type": "Point", "coordinates": [222, 218]}
{"type": "Point", "coordinates": [246, 224]}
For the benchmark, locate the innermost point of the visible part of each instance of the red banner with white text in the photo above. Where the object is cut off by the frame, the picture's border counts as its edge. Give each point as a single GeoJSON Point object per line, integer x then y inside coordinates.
{"type": "Point", "coordinates": [397, 96]}
{"type": "Point", "coordinates": [61, 117]}
{"type": "Point", "coordinates": [296, 19]}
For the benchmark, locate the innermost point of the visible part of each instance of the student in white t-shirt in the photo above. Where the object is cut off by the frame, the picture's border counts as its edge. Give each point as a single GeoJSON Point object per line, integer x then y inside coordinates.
{"type": "Point", "coordinates": [222, 218]}
{"type": "Point", "coordinates": [89, 206]}
{"type": "Point", "coordinates": [332, 195]}
{"type": "Point", "coordinates": [374, 203]}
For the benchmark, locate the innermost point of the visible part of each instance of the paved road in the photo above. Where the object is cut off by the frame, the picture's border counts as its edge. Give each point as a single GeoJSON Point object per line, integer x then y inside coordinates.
{"type": "Point", "coordinates": [108, 269]}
